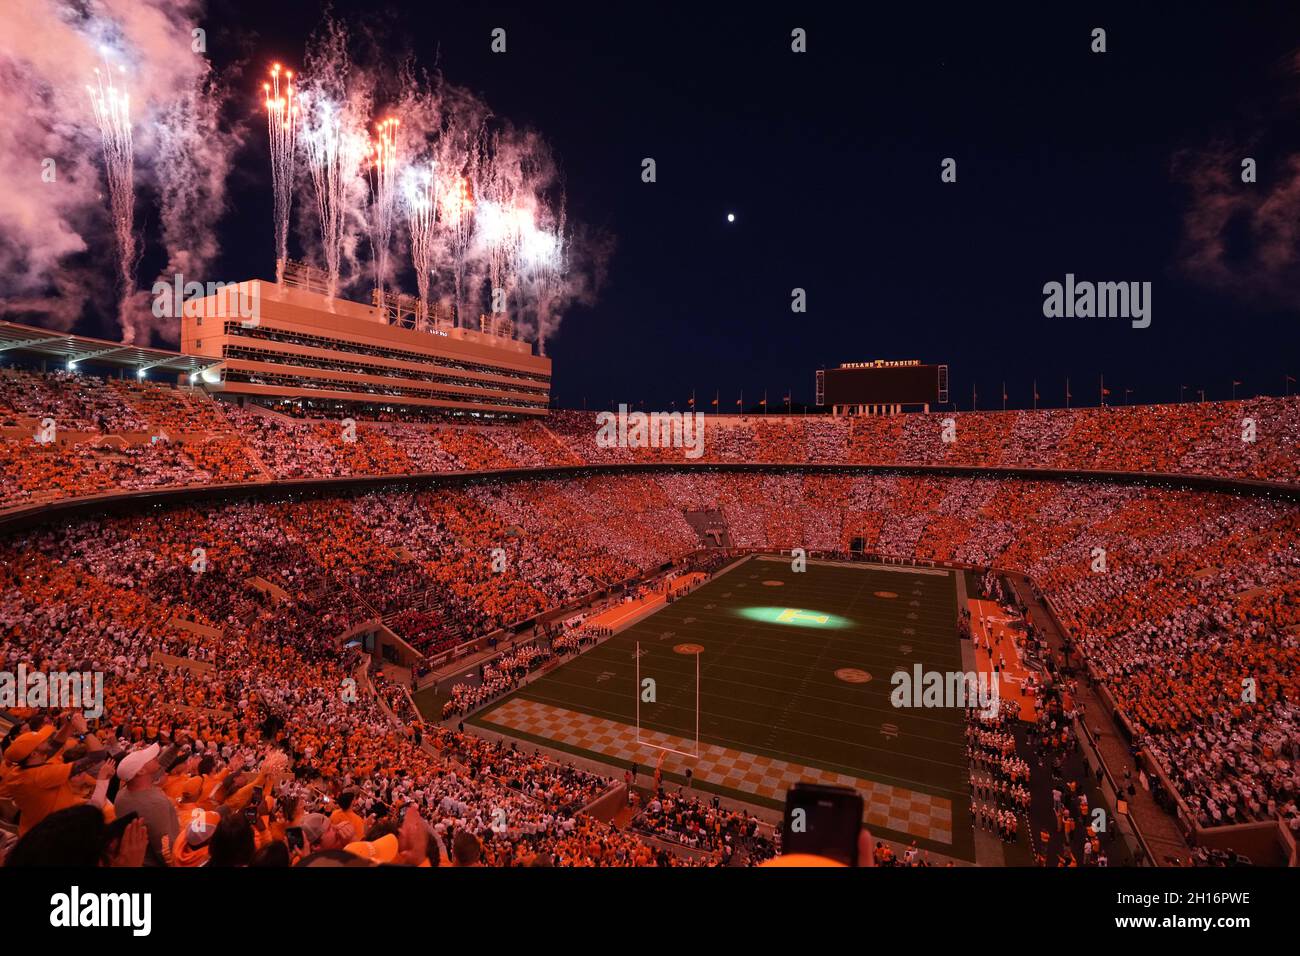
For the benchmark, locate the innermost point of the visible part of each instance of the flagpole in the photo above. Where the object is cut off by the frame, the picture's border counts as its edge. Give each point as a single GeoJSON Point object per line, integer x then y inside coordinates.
{"type": "Point", "coordinates": [1102, 396]}
{"type": "Point", "coordinates": [1004, 396]}
{"type": "Point", "coordinates": [1035, 394]}
{"type": "Point", "coordinates": [1067, 391]}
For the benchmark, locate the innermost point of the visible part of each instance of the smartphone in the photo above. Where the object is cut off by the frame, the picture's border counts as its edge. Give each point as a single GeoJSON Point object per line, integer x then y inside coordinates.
{"type": "Point", "coordinates": [822, 821]}
{"type": "Point", "coordinates": [254, 806]}
{"type": "Point", "coordinates": [91, 761]}
{"type": "Point", "coordinates": [169, 758]}
{"type": "Point", "coordinates": [293, 836]}
{"type": "Point", "coordinates": [118, 827]}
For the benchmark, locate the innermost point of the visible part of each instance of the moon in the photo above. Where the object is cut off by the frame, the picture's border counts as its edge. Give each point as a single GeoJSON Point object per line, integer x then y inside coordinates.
{"type": "Point", "coordinates": [731, 217]}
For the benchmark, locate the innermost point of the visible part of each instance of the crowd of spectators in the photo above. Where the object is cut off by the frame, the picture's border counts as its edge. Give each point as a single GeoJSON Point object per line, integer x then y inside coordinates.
{"type": "Point", "coordinates": [114, 434]}
{"type": "Point", "coordinates": [220, 627]}
{"type": "Point", "coordinates": [1199, 591]}
{"type": "Point", "coordinates": [728, 836]}
{"type": "Point", "coordinates": [255, 742]}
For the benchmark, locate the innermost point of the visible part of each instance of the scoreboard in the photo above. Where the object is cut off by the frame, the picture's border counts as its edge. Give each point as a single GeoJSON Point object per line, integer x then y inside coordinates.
{"type": "Point", "coordinates": [883, 383]}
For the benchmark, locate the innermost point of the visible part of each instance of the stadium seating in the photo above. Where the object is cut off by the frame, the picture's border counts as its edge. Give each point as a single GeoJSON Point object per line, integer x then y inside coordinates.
{"type": "Point", "coordinates": [117, 436]}
{"type": "Point", "coordinates": [243, 659]}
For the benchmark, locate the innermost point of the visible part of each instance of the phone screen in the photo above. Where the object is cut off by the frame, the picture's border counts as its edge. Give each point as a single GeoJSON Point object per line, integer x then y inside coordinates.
{"type": "Point", "coordinates": [822, 821]}
{"type": "Point", "coordinates": [254, 806]}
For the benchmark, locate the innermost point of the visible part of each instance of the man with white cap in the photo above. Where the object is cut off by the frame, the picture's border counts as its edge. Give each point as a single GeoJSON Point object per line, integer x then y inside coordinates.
{"type": "Point", "coordinates": [140, 774]}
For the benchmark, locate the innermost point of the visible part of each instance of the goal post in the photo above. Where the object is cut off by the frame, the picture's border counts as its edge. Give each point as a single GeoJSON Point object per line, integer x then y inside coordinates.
{"type": "Point", "coordinates": [637, 689]}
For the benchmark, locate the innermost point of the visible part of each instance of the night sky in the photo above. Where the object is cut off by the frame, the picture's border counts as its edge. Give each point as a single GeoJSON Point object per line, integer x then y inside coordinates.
{"type": "Point", "coordinates": [1068, 161]}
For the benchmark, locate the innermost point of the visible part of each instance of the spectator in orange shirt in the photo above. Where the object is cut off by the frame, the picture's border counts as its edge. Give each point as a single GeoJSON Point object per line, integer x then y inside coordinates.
{"type": "Point", "coordinates": [39, 782]}
{"type": "Point", "coordinates": [344, 817]}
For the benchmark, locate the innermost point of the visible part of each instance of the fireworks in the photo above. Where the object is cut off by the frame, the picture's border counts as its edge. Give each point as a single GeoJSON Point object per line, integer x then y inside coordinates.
{"type": "Point", "coordinates": [479, 203]}
{"type": "Point", "coordinates": [333, 157]}
{"type": "Point", "coordinates": [282, 131]}
{"type": "Point", "coordinates": [112, 110]}
{"type": "Point", "coordinates": [540, 262]}
{"type": "Point", "coordinates": [457, 215]}
{"type": "Point", "coordinates": [538, 251]}
{"type": "Point", "coordinates": [498, 229]}
{"type": "Point", "coordinates": [480, 207]}
{"type": "Point", "coordinates": [420, 189]}
{"type": "Point", "coordinates": [384, 168]}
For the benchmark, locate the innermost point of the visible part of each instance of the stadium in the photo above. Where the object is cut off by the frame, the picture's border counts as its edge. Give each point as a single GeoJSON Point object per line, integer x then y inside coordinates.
{"type": "Point", "coordinates": [492, 591]}
{"type": "Point", "coordinates": [302, 570]}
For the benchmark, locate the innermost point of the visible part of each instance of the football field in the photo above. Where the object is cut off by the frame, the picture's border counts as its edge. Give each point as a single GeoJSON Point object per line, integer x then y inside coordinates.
{"type": "Point", "coordinates": [793, 683]}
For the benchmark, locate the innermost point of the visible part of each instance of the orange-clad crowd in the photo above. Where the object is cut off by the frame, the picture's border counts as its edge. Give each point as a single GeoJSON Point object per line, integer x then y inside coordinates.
{"type": "Point", "coordinates": [115, 435]}
{"type": "Point", "coordinates": [239, 728]}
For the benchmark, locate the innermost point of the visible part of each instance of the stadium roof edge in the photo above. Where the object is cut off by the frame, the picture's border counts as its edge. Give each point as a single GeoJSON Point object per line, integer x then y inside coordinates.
{"type": "Point", "coordinates": [68, 347]}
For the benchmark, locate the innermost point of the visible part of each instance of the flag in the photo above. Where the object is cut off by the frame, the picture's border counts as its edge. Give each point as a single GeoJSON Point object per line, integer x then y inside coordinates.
{"type": "Point", "coordinates": [739, 400]}
{"type": "Point", "coordinates": [1105, 391]}
{"type": "Point", "coordinates": [715, 403]}
{"type": "Point", "coordinates": [763, 402]}
{"type": "Point", "coordinates": [1235, 382]}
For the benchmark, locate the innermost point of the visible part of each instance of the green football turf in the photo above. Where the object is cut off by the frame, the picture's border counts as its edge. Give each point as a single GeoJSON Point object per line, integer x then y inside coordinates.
{"type": "Point", "coordinates": [769, 688]}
